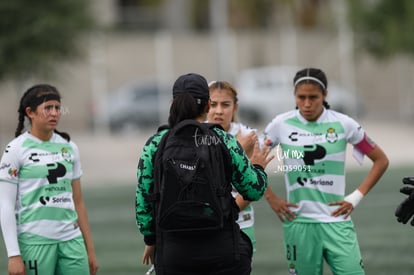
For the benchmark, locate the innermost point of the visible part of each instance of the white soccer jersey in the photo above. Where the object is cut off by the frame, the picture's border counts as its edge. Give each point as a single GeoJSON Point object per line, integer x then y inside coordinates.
{"type": "Point", "coordinates": [235, 127]}
{"type": "Point", "coordinates": [313, 156]}
{"type": "Point", "coordinates": [43, 172]}
{"type": "Point", "coordinates": [246, 216]}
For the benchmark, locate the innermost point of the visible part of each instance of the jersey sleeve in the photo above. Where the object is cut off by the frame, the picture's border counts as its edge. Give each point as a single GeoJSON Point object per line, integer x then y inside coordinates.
{"type": "Point", "coordinates": [359, 139]}
{"type": "Point", "coordinates": [10, 164]}
{"type": "Point", "coordinates": [8, 193]}
{"type": "Point", "coordinates": [249, 180]}
{"type": "Point", "coordinates": [77, 167]}
{"type": "Point", "coordinates": [355, 133]}
{"type": "Point", "coordinates": [270, 134]}
{"type": "Point", "coordinates": [245, 130]}
{"type": "Point", "coordinates": [9, 167]}
{"type": "Point", "coordinates": [144, 208]}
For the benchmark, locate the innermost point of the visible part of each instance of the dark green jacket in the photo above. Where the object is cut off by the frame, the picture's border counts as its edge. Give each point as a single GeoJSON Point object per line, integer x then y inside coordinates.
{"type": "Point", "coordinates": [249, 180]}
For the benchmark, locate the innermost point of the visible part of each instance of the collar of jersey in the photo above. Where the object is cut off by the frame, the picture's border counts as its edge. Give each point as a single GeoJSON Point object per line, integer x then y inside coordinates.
{"type": "Point", "coordinates": [305, 121]}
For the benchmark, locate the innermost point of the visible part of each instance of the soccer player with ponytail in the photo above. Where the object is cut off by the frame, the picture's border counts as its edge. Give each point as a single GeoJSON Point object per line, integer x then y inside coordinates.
{"type": "Point", "coordinates": [316, 214]}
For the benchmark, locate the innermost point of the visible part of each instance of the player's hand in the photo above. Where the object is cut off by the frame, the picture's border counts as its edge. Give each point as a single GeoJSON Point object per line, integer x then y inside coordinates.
{"type": "Point", "coordinates": [405, 210]}
{"type": "Point", "coordinates": [93, 264]}
{"type": "Point", "coordinates": [149, 254]}
{"type": "Point", "coordinates": [16, 266]}
{"type": "Point", "coordinates": [247, 142]}
{"type": "Point", "coordinates": [261, 156]}
{"type": "Point", "coordinates": [282, 208]}
{"type": "Point", "coordinates": [345, 208]}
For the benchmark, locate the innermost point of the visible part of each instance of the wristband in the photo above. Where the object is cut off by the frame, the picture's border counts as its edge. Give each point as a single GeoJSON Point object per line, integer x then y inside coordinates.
{"type": "Point", "coordinates": [354, 198]}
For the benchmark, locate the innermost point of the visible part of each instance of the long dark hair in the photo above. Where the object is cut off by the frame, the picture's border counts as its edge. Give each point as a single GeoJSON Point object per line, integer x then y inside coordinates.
{"type": "Point", "coordinates": [32, 98]}
{"type": "Point", "coordinates": [313, 76]}
{"type": "Point", "coordinates": [185, 106]}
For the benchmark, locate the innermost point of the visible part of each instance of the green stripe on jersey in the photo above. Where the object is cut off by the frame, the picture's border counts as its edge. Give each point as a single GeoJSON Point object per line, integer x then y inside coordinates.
{"type": "Point", "coordinates": [315, 127]}
{"type": "Point", "coordinates": [34, 239]}
{"type": "Point", "coordinates": [47, 146]}
{"type": "Point", "coordinates": [301, 218]}
{"type": "Point", "coordinates": [49, 190]}
{"type": "Point", "coordinates": [42, 171]}
{"type": "Point", "coordinates": [309, 194]}
{"type": "Point", "coordinates": [48, 213]}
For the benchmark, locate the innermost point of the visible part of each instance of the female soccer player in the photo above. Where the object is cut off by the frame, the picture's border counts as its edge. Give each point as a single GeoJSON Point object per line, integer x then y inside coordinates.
{"type": "Point", "coordinates": [223, 111]}
{"type": "Point", "coordinates": [316, 215]}
{"type": "Point", "coordinates": [42, 213]}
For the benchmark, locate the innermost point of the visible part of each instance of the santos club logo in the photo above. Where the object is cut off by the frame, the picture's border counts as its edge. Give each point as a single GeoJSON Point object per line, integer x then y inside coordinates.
{"type": "Point", "coordinates": [331, 136]}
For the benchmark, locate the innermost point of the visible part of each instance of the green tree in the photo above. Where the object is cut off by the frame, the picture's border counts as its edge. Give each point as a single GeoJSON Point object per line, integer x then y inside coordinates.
{"type": "Point", "coordinates": [384, 28]}
{"type": "Point", "coordinates": [36, 35]}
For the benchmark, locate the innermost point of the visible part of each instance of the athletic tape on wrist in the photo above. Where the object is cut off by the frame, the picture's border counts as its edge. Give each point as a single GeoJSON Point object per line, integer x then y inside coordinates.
{"type": "Point", "coordinates": [354, 198]}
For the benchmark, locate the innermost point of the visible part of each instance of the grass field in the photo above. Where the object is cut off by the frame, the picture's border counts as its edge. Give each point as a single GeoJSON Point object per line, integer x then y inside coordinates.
{"type": "Point", "coordinates": [387, 246]}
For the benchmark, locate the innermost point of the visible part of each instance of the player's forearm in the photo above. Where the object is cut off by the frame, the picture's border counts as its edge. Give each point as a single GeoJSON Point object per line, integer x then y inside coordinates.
{"type": "Point", "coordinates": [84, 227]}
{"type": "Point", "coordinates": [269, 194]}
{"type": "Point", "coordinates": [8, 194]}
{"type": "Point", "coordinates": [241, 203]}
{"type": "Point", "coordinates": [9, 230]}
{"type": "Point", "coordinates": [379, 166]}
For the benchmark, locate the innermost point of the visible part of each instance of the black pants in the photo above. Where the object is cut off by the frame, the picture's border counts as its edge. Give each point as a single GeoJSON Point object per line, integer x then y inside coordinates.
{"type": "Point", "coordinates": [204, 254]}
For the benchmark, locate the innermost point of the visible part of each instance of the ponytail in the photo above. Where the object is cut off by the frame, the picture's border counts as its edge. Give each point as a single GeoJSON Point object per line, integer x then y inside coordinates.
{"type": "Point", "coordinates": [185, 106]}
{"type": "Point", "coordinates": [63, 134]}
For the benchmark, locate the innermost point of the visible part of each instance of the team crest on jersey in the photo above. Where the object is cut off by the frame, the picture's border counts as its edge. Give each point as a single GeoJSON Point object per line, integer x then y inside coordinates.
{"type": "Point", "coordinates": [292, 269]}
{"type": "Point", "coordinates": [13, 172]}
{"type": "Point", "coordinates": [66, 155]}
{"type": "Point", "coordinates": [331, 135]}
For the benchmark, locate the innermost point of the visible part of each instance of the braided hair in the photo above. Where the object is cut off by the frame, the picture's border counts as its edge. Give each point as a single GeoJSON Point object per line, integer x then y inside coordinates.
{"type": "Point", "coordinates": [33, 97]}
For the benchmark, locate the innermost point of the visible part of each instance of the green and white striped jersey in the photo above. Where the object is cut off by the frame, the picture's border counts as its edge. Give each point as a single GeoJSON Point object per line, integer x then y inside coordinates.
{"type": "Point", "coordinates": [43, 172]}
{"type": "Point", "coordinates": [313, 155]}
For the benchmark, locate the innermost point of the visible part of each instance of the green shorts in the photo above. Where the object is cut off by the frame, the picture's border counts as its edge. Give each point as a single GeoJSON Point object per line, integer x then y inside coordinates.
{"type": "Point", "coordinates": [308, 244]}
{"type": "Point", "coordinates": [64, 258]}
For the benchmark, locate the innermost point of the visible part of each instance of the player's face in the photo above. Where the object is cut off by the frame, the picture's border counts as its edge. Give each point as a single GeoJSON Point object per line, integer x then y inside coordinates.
{"type": "Point", "coordinates": [46, 116]}
{"type": "Point", "coordinates": [309, 99]}
{"type": "Point", "coordinates": [222, 108]}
